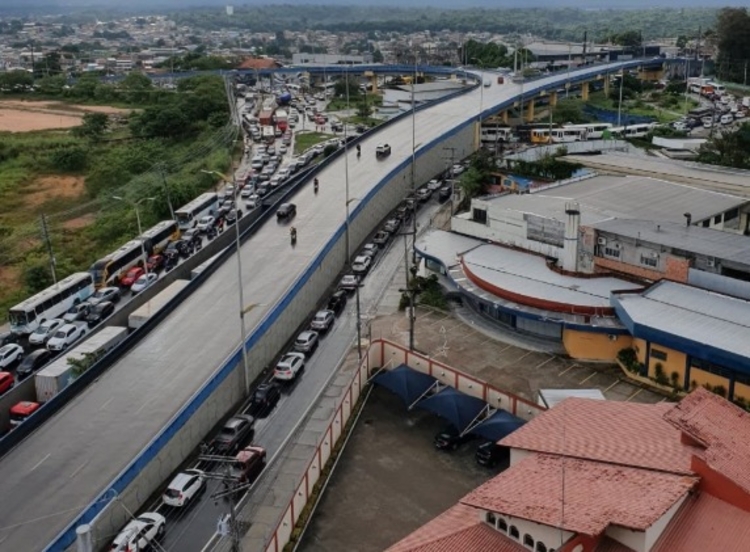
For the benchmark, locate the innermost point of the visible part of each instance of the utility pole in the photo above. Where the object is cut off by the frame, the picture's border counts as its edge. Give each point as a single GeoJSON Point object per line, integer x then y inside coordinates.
{"type": "Point", "coordinates": [48, 243]}
{"type": "Point", "coordinates": [166, 189]}
{"type": "Point", "coordinates": [450, 169]}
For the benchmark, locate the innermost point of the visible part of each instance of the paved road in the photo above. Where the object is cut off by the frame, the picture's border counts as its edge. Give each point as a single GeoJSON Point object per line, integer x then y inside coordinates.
{"type": "Point", "coordinates": [58, 470]}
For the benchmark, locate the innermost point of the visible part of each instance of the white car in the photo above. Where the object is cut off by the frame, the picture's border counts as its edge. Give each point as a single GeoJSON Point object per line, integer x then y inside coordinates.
{"type": "Point", "coordinates": [246, 192]}
{"type": "Point", "coordinates": [184, 488]}
{"type": "Point", "coordinates": [252, 202]}
{"type": "Point", "coordinates": [140, 534]}
{"type": "Point", "coordinates": [66, 336]}
{"type": "Point", "coordinates": [361, 264]}
{"type": "Point", "coordinates": [434, 185]}
{"type": "Point", "coordinates": [289, 366]}
{"type": "Point", "coordinates": [282, 149]}
{"type": "Point", "coordinates": [204, 223]}
{"type": "Point", "coordinates": [10, 354]}
{"type": "Point", "coordinates": [143, 282]}
{"type": "Point", "coordinates": [44, 331]}
{"type": "Point", "coordinates": [457, 169]}
{"type": "Point", "coordinates": [370, 250]}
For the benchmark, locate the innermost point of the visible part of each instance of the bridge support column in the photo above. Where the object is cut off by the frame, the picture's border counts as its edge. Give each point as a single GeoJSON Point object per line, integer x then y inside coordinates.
{"type": "Point", "coordinates": [585, 91]}
{"type": "Point", "coordinates": [372, 78]}
{"type": "Point", "coordinates": [504, 116]}
{"type": "Point", "coordinates": [606, 85]}
{"type": "Point", "coordinates": [552, 99]}
{"type": "Point", "coordinates": [530, 111]}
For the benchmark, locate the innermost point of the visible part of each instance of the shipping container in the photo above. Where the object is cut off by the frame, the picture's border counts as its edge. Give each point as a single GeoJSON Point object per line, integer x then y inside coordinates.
{"type": "Point", "coordinates": [142, 314]}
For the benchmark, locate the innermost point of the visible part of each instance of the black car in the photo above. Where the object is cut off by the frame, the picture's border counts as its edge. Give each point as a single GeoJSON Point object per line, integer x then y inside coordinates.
{"type": "Point", "coordinates": [337, 302]}
{"type": "Point", "coordinates": [6, 338]}
{"type": "Point", "coordinates": [236, 431]}
{"type": "Point", "coordinates": [286, 211]}
{"type": "Point", "coordinates": [99, 312]}
{"type": "Point", "coordinates": [444, 194]}
{"type": "Point", "coordinates": [381, 238]}
{"type": "Point", "coordinates": [264, 399]}
{"type": "Point", "coordinates": [192, 236]}
{"type": "Point", "coordinates": [232, 216]}
{"type": "Point", "coordinates": [33, 362]}
{"type": "Point", "coordinates": [490, 454]}
{"type": "Point", "coordinates": [263, 189]}
{"type": "Point", "coordinates": [180, 248]}
{"type": "Point", "coordinates": [451, 439]}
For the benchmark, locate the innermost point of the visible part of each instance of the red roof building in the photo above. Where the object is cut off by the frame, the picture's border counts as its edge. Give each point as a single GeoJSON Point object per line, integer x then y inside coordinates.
{"type": "Point", "coordinates": [259, 63]}
{"type": "Point", "coordinates": [598, 476]}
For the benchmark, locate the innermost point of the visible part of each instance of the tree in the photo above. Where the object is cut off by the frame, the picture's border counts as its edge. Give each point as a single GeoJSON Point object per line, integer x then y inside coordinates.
{"type": "Point", "coordinates": [569, 111]}
{"type": "Point", "coordinates": [632, 39]}
{"type": "Point", "coordinates": [339, 88]}
{"type": "Point", "coordinates": [682, 42]}
{"type": "Point", "coordinates": [377, 56]}
{"type": "Point", "coordinates": [732, 34]}
{"type": "Point", "coordinates": [731, 149]}
{"type": "Point", "coordinates": [15, 80]}
{"type": "Point", "coordinates": [364, 110]}
{"type": "Point", "coordinates": [93, 126]}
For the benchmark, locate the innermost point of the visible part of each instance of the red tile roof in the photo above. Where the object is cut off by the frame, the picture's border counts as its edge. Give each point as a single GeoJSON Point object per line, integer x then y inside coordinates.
{"type": "Point", "coordinates": [611, 545]}
{"type": "Point", "coordinates": [596, 495]}
{"type": "Point", "coordinates": [705, 523]}
{"type": "Point", "coordinates": [458, 529]}
{"type": "Point", "coordinates": [258, 63]}
{"type": "Point", "coordinates": [629, 434]}
{"type": "Point", "coordinates": [722, 427]}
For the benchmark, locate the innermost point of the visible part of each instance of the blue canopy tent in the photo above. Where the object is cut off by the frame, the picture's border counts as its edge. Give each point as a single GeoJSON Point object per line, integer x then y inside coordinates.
{"type": "Point", "coordinates": [405, 382]}
{"type": "Point", "coordinates": [501, 424]}
{"type": "Point", "coordinates": [456, 407]}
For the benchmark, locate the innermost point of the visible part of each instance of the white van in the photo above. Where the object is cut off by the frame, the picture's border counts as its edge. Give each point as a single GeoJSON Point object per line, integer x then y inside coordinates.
{"type": "Point", "coordinates": [727, 119]}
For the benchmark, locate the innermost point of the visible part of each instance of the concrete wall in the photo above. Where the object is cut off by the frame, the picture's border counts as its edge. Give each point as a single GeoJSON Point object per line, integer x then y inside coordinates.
{"type": "Point", "coordinates": [594, 346]}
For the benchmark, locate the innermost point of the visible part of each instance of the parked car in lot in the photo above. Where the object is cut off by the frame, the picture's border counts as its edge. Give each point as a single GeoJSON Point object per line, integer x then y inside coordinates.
{"type": "Point", "coordinates": [204, 223]}
{"type": "Point", "coordinates": [382, 150]}
{"type": "Point", "coordinates": [264, 398]}
{"type": "Point", "coordinates": [289, 367]}
{"type": "Point", "coordinates": [306, 342]}
{"type": "Point", "coordinates": [111, 294]}
{"type": "Point", "coordinates": [236, 431]}
{"type": "Point", "coordinates": [131, 276]}
{"type": "Point", "coordinates": [99, 312]}
{"type": "Point", "coordinates": [490, 454]}
{"type": "Point", "coordinates": [381, 238]}
{"type": "Point", "coordinates": [140, 534]}
{"type": "Point", "coordinates": [361, 265]}
{"type": "Point", "coordinates": [185, 487]}
{"type": "Point", "coordinates": [6, 381]}
{"type": "Point", "coordinates": [44, 331]}
{"type": "Point", "coordinates": [337, 302]}
{"type": "Point", "coordinates": [349, 282]}
{"type": "Point", "coordinates": [10, 354]}
{"type": "Point", "coordinates": [77, 312]}
{"type": "Point", "coordinates": [143, 282]}
{"type": "Point", "coordinates": [391, 225]}
{"type": "Point", "coordinates": [322, 321]}
{"type": "Point", "coordinates": [370, 250]}
{"type": "Point", "coordinates": [286, 211]}
{"type": "Point", "coordinates": [33, 362]}
{"type": "Point", "coordinates": [451, 439]}
{"type": "Point", "coordinates": [66, 336]}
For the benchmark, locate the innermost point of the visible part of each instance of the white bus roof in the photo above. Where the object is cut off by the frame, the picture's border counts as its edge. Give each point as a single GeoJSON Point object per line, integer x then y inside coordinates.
{"type": "Point", "coordinates": [158, 228]}
{"type": "Point", "coordinates": [198, 201]}
{"type": "Point", "coordinates": [44, 294]}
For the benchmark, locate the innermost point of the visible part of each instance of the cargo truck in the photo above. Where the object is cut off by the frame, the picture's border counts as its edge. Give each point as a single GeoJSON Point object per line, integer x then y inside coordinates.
{"type": "Point", "coordinates": [142, 314]}
{"type": "Point", "coordinates": [58, 375]}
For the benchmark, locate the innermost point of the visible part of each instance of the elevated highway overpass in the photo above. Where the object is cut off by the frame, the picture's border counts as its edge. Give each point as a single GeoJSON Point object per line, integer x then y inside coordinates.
{"type": "Point", "coordinates": [110, 449]}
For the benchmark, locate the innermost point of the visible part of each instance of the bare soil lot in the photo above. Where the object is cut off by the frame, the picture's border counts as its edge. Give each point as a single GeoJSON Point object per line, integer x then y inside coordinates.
{"type": "Point", "coordinates": [20, 116]}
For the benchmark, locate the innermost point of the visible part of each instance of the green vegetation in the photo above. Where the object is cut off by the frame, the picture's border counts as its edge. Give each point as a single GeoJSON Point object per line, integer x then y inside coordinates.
{"type": "Point", "coordinates": [731, 149]}
{"type": "Point", "coordinates": [731, 35]}
{"type": "Point", "coordinates": [70, 176]}
{"type": "Point", "coordinates": [477, 177]}
{"type": "Point", "coordinates": [197, 61]}
{"type": "Point", "coordinates": [491, 54]}
{"type": "Point", "coordinates": [548, 167]}
{"type": "Point", "coordinates": [427, 291]}
{"type": "Point", "coordinates": [306, 140]}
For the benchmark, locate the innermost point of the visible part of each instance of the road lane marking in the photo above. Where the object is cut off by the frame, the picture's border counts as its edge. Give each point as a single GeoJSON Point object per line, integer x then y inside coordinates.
{"type": "Point", "coordinates": [109, 400]}
{"type": "Point", "coordinates": [611, 386]}
{"type": "Point", "coordinates": [588, 378]}
{"type": "Point", "coordinates": [568, 369]}
{"type": "Point", "coordinates": [634, 395]}
{"type": "Point", "coordinates": [39, 463]}
{"type": "Point", "coordinates": [550, 359]}
{"type": "Point", "coordinates": [142, 407]}
{"type": "Point", "coordinates": [79, 468]}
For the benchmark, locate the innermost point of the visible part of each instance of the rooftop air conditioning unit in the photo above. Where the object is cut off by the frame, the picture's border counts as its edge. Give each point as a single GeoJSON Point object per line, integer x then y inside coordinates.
{"type": "Point", "coordinates": [602, 241]}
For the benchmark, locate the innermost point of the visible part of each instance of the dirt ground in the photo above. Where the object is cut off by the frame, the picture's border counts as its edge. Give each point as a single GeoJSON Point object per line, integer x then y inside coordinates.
{"type": "Point", "coordinates": [50, 188]}
{"type": "Point", "coordinates": [390, 480]}
{"type": "Point", "coordinates": [20, 116]}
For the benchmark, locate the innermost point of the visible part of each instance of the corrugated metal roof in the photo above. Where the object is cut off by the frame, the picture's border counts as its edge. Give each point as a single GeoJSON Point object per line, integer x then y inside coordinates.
{"type": "Point", "coordinates": [705, 317]}
{"type": "Point", "coordinates": [446, 246]}
{"type": "Point", "coordinates": [694, 239]}
{"type": "Point", "coordinates": [633, 197]}
{"type": "Point", "coordinates": [551, 397]}
{"type": "Point", "coordinates": [528, 275]}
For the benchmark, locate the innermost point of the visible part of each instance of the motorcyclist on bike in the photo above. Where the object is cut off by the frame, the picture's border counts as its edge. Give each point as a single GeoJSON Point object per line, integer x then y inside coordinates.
{"type": "Point", "coordinates": [293, 234]}
{"type": "Point", "coordinates": [315, 185]}
{"type": "Point", "coordinates": [359, 150]}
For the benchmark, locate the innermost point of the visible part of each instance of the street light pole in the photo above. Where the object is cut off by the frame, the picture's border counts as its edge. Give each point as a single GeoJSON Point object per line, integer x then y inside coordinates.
{"type": "Point", "coordinates": [243, 309]}
{"type": "Point", "coordinates": [619, 104]}
{"type": "Point", "coordinates": [134, 205]}
{"type": "Point", "coordinates": [348, 261]}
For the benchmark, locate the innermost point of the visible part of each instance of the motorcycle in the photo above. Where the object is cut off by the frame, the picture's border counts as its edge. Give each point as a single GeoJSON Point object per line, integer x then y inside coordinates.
{"type": "Point", "coordinates": [293, 235]}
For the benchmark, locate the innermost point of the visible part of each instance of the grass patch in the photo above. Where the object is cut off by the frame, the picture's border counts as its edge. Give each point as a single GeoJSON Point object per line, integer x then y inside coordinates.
{"type": "Point", "coordinates": [357, 120]}
{"type": "Point", "coordinates": [339, 104]}
{"type": "Point", "coordinates": [305, 140]}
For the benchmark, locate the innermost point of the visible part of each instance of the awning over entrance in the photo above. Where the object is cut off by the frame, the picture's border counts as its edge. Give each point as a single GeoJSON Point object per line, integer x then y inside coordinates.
{"type": "Point", "coordinates": [405, 382]}
{"type": "Point", "coordinates": [498, 425]}
{"type": "Point", "coordinates": [459, 409]}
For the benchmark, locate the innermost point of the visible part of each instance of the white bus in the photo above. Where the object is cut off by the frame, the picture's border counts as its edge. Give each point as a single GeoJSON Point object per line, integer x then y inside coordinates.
{"type": "Point", "coordinates": [594, 131]}
{"type": "Point", "coordinates": [205, 204]}
{"type": "Point", "coordinates": [494, 133]}
{"type": "Point", "coordinates": [108, 270]}
{"type": "Point", "coordinates": [161, 234]}
{"type": "Point", "coordinates": [633, 131]}
{"type": "Point", "coordinates": [557, 135]}
{"type": "Point", "coordinates": [51, 303]}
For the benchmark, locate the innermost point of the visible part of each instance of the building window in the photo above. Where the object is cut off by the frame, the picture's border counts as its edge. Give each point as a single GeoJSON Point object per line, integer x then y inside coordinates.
{"type": "Point", "coordinates": [514, 532]}
{"type": "Point", "coordinates": [649, 260]}
{"type": "Point", "coordinates": [490, 517]}
{"type": "Point", "coordinates": [715, 369]}
{"type": "Point", "coordinates": [502, 525]}
{"type": "Point", "coordinates": [658, 355]}
{"type": "Point", "coordinates": [479, 215]}
{"type": "Point", "coordinates": [528, 540]}
{"type": "Point", "coordinates": [731, 214]}
{"type": "Point", "coordinates": [540, 547]}
{"type": "Point", "coordinates": [706, 223]}
{"type": "Point", "coordinates": [717, 219]}
{"type": "Point", "coordinates": [611, 252]}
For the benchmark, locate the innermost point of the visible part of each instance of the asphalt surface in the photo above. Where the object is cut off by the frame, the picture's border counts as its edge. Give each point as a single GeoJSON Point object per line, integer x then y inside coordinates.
{"type": "Point", "coordinates": [63, 466]}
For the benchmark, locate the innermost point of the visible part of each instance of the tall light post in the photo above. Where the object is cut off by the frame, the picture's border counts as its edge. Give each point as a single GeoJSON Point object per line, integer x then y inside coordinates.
{"type": "Point", "coordinates": [619, 104]}
{"type": "Point", "coordinates": [480, 65]}
{"type": "Point", "coordinates": [348, 261]}
{"type": "Point", "coordinates": [244, 309]}
{"type": "Point", "coordinates": [135, 204]}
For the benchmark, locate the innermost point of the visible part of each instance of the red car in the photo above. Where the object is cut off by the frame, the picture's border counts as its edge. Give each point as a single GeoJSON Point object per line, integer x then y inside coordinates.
{"type": "Point", "coordinates": [155, 263]}
{"type": "Point", "coordinates": [6, 381]}
{"type": "Point", "coordinates": [131, 276]}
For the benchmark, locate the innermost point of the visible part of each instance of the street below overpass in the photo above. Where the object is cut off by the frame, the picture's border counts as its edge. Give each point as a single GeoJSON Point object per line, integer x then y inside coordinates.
{"type": "Point", "coordinates": [72, 459]}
